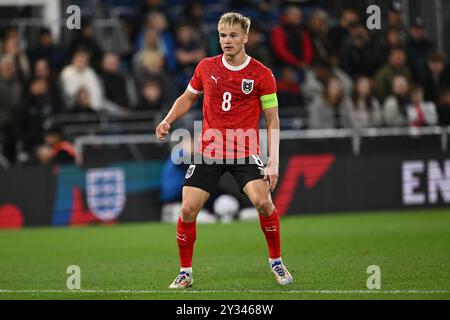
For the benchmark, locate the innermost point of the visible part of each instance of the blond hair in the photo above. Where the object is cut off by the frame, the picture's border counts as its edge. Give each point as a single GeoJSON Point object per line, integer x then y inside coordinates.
{"type": "Point", "coordinates": [233, 18]}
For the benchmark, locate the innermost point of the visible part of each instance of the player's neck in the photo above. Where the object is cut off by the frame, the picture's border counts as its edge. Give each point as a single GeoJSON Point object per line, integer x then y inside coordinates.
{"type": "Point", "coordinates": [237, 59]}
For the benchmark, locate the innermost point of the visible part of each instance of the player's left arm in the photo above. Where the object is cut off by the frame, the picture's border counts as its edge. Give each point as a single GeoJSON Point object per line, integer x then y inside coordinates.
{"type": "Point", "coordinates": [269, 105]}
{"type": "Point", "coordinates": [273, 144]}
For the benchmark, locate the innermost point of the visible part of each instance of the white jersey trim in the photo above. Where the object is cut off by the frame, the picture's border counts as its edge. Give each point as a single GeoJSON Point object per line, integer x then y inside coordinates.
{"type": "Point", "coordinates": [236, 68]}
{"type": "Point", "coordinates": [192, 90]}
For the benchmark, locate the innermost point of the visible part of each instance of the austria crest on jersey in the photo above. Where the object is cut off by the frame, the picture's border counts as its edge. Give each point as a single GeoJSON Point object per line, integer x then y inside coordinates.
{"type": "Point", "coordinates": [247, 85]}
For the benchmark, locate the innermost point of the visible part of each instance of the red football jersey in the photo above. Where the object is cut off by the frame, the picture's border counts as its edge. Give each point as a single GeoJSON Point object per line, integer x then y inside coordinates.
{"type": "Point", "coordinates": [231, 102]}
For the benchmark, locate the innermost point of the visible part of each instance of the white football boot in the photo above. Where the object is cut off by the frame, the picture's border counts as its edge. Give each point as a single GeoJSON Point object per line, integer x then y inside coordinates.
{"type": "Point", "coordinates": [281, 273]}
{"type": "Point", "coordinates": [184, 280]}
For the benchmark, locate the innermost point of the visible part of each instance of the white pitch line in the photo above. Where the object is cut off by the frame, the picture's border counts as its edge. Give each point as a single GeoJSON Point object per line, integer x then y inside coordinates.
{"type": "Point", "coordinates": [188, 291]}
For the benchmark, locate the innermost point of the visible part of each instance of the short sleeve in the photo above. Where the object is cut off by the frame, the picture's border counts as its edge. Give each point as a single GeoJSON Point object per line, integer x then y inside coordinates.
{"type": "Point", "coordinates": [195, 85]}
{"type": "Point", "coordinates": [268, 91]}
{"type": "Point", "coordinates": [268, 84]}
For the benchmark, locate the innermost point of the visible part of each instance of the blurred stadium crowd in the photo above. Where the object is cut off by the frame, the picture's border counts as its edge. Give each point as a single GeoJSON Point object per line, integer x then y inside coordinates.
{"type": "Point", "coordinates": [329, 75]}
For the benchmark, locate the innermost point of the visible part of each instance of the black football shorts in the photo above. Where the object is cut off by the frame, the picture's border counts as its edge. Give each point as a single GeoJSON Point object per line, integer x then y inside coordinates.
{"type": "Point", "coordinates": [206, 175]}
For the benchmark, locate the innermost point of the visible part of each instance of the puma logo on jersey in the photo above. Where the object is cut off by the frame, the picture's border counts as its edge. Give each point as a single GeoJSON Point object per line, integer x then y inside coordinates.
{"type": "Point", "coordinates": [215, 79]}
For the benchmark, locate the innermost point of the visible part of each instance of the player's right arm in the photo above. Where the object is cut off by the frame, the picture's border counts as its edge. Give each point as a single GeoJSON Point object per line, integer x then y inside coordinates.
{"type": "Point", "coordinates": [179, 108]}
{"type": "Point", "coordinates": [183, 103]}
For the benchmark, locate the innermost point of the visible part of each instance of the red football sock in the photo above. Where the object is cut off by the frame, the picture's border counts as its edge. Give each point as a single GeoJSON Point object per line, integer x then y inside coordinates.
{"type": "Point", "coordinates": [186, 234]}
{"type": "Point", "coordinates": [271, 228]}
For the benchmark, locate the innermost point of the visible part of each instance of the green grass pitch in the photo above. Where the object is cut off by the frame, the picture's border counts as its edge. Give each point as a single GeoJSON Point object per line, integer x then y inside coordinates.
{"type": "Point", "coordinates": [328, 256]}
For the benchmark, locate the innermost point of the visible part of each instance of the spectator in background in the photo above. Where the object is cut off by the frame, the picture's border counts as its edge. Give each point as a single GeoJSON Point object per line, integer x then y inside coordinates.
{"type": "Point", "coordinates": [153, 69]}
{"type": "Point", "coordinates": [41, 70]}
{"type": "Point", "coordinates": [444, 107]}
{"type": "Point", "coordinates": [385, 75]}
{"type": "Point", "coordinates": [35, 112]}
{"type": "Point", "coordinates": [395, 19]}
{"type": "Point", "coordinates": [317, 77]}
{"type": "Point", "coordinates": [391, 40]}
{"type": "Point", "coordinates": [188, 52]}
{"type": "Point", "coordinates": [47, 49]}
{"type": "Point", "coordinates": [360, 55]}
{"type": "Point", "coordinates": [318, 30]}
{"type": "Point", "coordinates": [288, 89]}
{"type": "Point", "coordinates": [80, 74]}
{"type": "Point", "coordinates": [268, 11]}
{"type": "Point", "coordinates": [152, 98]}
{"type": "Point", "coordinates": [43, 154]}
{"type": "Point", "coordinates": [13, 32]}
{"type": "Point", "coordinates": [417, 48]}
{"type": "Point", "coordinates": [365, 111]}
{"type": "Point", "coordinates": [151, 48]}
{"type": "Point", "coordinates": [396, 105]}
{"type": "Point", "coordinates": [256, 46]}
{"type": "Point", "coordinates": [260, 10]}
{"type": "Point", "coordinates": [11, 92]}
{"type": "Point", "coordinates": [421, 113]}
{"type": "Point", "coordinates": [158, 23]}
{"type": "Point", "coordinates": [436, 76]}
{"type": "Point", "coordinates": [56, 150]}
{"type": "Point", "coordinates": [193, 14]}
{"type": "Point", "coordinates": [11, 47]}
{"type": "Point", "coordinates": [339, 33]}
{"type": "Point", "coordinates": [115, 85]}
{"type": "Point", "coordinates": [290, 40]}
{"type": "Point", "coordinates": [150, 6]}
{"type": "Point", "coordinates": [330, 110]}
{"type": "Point", "coordinates": [85, 40]}
{"type": "Point", "coordinates": [83, 104]}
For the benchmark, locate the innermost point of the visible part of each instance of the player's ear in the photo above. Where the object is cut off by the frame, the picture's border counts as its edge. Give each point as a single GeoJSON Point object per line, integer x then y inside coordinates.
{"type": "Point", "coordinates": [245, 38]}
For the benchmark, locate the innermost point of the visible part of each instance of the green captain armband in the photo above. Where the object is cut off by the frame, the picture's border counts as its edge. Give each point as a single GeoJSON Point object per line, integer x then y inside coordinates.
{"type": "Point", "coordinates": [269, 101]}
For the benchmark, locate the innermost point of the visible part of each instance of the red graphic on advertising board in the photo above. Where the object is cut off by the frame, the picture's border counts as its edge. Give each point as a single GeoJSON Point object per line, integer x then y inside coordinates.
{"type": "Point", "coordinates": [10, 217]}
{"type": "Point", "coordinates": [80, 215]}
{"type": "Point", "coordinates": [310, 167]}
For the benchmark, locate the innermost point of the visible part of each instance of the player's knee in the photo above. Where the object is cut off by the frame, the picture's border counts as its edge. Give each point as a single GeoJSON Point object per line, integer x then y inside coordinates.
{"type": "Point", "coordinates": [188, 213]}
{"type": "Point", "coordinates": [265, 207]}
